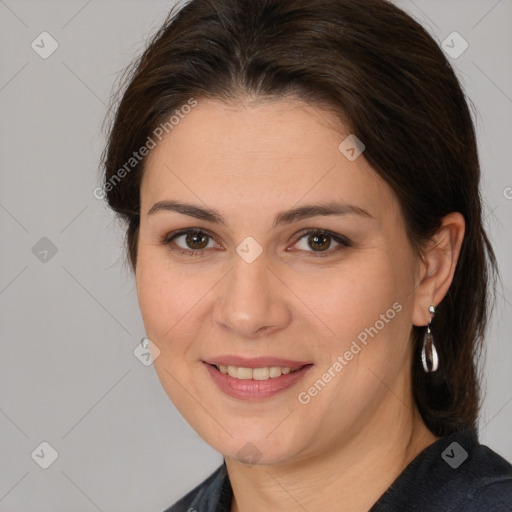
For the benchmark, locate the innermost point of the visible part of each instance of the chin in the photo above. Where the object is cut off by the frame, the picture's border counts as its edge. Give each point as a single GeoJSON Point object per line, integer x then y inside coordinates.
{"type": "Point", "coordinates": [255, 448]}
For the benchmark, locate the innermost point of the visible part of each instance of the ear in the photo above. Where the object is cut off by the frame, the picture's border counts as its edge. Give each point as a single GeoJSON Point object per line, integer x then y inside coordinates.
{"type": "Point", "coordinates": [438, 266]}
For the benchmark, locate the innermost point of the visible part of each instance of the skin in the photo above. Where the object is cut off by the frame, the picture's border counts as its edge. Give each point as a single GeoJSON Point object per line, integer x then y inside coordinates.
{"type": "Point", "coordinates": [250, 160]}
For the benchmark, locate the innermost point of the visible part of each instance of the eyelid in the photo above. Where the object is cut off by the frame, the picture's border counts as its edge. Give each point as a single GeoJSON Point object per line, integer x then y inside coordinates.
{"type": "Point", "coordinates": [185, 231]}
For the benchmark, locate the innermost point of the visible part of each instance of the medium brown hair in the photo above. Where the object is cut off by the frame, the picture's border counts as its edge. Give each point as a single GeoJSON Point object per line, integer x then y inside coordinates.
{"type": "Point", "coordinates": [390, 84]}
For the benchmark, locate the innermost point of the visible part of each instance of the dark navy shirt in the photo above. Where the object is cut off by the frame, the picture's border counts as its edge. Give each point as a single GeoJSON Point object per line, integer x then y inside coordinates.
{"type": "Point", "coordinates": [454, 474]}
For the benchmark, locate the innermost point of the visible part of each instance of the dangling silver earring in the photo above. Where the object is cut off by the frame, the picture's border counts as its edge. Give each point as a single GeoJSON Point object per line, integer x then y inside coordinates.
{"type": "Point", "coordinates": [428, 352]}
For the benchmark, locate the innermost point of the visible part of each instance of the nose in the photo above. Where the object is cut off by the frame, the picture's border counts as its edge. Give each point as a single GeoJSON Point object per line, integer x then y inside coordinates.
{"type": "Point", "coordinates": [252, 302]}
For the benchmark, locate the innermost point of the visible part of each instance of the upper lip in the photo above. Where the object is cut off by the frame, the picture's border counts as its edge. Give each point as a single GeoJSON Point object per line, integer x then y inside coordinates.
{"type": "Point", "coordinates": [255, 362]}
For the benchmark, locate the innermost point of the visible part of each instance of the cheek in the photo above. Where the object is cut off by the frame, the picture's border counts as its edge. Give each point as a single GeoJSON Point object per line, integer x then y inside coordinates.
{"type": "Point", "coordinates": [172, 301]}
{"type": "Point", "coordinates": [351, 297]}
{"type": "Point", "coordinates": [163, 302]}
{"type": "Point", "coordinates": [153, 296]}
{"type": "Point", "coordinates": [366, 307]}
{"type": "Point", "coordinates": [162, 297]}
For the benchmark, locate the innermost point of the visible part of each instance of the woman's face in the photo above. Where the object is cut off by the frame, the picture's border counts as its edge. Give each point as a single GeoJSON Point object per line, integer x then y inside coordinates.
{"type": "Point", "coordinates": [301, 261]}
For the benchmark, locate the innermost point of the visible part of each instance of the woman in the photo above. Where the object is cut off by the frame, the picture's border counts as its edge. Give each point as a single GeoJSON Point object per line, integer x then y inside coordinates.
{"type": "Point", "coordinates": [300, 183]}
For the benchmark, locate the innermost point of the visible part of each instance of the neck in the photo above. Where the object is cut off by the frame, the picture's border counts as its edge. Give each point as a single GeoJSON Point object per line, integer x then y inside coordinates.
{"type": "Point", "coordinates": [353, 476]}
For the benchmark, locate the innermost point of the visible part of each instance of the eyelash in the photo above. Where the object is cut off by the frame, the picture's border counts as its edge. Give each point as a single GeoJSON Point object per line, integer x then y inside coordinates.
{"type": "Point", "coordinates": [343, 241]}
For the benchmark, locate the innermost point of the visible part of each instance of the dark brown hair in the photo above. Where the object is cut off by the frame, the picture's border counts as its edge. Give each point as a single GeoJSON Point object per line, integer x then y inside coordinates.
{"type": "Point", "coordinates": [390, 84]}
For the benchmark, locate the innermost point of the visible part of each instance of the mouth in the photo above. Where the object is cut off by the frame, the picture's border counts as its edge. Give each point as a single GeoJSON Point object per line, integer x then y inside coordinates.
{"type": "Point", "coordinates": [256, 381]}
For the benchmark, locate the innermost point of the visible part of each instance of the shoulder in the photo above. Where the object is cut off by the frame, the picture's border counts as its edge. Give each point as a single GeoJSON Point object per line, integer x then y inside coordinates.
{"type": "Point", "coordinates": [212, 495]}
{"type": "Point", "coordinates": [455, 473]}
{"type": "Point", "coordinates": [487, 483]}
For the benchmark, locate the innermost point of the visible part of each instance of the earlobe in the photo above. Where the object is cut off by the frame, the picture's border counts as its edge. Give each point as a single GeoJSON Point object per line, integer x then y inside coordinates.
{"type": "Point", "coordinates": [437, 268]}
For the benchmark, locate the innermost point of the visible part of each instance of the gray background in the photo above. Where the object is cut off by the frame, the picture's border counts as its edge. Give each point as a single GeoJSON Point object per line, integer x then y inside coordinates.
{"type": "Point", "coordinates": [70, 322]}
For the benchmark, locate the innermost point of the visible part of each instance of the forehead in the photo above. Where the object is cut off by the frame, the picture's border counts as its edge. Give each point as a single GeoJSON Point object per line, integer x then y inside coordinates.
{"type": "Point", "coordinates": [281, 150]}
{"type": "Point", "coordinates": [259, 129]}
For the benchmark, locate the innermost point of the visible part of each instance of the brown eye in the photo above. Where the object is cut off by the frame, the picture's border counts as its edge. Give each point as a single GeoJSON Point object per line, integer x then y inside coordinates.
{"type": "Point", "coordinates": [319, 242]}
{"type": "Point", "coordinates": [189, 242]}
{"type": "Point", "coordinates": [196, 240]}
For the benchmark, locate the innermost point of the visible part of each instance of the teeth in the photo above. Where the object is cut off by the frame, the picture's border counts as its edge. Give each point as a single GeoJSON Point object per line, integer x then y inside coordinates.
{"type": "Point", "coordinates": [261, 373]}
{"type": "Point", "coordinates": [265, 373]}
{"type": "Point", "coordinates": [242, 373]}
{"type": "Point", "coordinates": [275, 371]}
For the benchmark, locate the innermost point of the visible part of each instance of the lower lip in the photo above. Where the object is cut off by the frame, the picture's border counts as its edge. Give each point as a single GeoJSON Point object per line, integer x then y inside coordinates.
{"type": "Point", "coordinates": [250, 389]}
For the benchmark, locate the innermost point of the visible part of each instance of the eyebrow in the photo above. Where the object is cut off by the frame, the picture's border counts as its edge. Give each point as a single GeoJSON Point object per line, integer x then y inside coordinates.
{"type": "Point", "coordinates": [284, 217]}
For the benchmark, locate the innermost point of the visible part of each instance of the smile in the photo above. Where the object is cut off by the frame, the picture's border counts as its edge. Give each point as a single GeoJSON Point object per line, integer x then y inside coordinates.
{"type": "Point", "coordinates": [260, 382]}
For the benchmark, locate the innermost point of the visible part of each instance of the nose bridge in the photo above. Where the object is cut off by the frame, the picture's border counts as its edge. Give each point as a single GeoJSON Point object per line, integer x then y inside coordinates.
{"type": "Point", "coordinates": [251, 300]}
